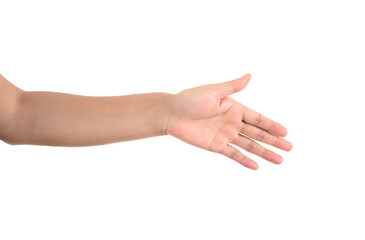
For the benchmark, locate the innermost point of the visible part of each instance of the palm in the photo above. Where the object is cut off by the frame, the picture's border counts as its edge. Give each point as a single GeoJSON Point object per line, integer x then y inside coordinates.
{"type": "Point", "coordinates": [207, 118]}
{"type": "Point", "coordinates": [205, 123]}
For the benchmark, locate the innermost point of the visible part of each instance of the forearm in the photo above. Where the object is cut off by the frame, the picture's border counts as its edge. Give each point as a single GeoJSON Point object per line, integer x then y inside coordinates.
{"type": "Point", "coordinates": [58, 119]}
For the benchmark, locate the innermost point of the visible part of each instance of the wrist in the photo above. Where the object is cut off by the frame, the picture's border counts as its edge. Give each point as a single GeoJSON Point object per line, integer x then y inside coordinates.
{"type": "Point", "coordinates": [166, 111]}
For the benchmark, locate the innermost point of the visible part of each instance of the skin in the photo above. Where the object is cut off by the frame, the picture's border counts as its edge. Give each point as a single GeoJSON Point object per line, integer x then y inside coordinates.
{"type": "Point", "coordinates": [203, 116]}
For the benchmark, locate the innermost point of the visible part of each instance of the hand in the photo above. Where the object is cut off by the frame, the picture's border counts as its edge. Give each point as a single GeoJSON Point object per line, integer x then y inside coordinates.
{"type": "Point", "coordinates": [206, 117]}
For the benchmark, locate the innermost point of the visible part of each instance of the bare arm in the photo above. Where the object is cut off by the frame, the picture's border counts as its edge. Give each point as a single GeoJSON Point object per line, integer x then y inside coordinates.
{"type": "Point", "coordinates": [9, 95]}
{"type": "Point", "coordinates": [59, 119]}
{"type": "Point", "coordinates": [203, 116]}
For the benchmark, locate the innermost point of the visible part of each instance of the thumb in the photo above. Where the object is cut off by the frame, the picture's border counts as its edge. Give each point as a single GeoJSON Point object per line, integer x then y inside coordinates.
{"type": "Point", "coordinates": [227, 88]}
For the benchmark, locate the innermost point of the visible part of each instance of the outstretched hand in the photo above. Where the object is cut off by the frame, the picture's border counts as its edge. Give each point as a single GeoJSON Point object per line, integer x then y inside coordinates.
{"type": "Point", "coordinates": [208, 118]}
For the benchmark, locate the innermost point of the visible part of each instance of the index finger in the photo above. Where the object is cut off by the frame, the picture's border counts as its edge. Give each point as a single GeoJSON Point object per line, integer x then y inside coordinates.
{"type": "Point", "coordinates": [259, 120]}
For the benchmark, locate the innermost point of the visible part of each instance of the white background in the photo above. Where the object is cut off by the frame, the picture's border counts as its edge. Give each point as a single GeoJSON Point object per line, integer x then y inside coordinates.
{"type": "Point", "coordinates": [307, 63]}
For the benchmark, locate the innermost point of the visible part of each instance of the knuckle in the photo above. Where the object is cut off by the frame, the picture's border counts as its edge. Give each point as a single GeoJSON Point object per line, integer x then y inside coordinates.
{"type": "Point", "coordinates": [264, 153]}
{"type": "Point", "coordinates": [235, 154]}
{"type": "Point", "coordinates": [275, 141]}
{"type": "Point", "coordinates": [258, 119]}
{"type": "Point", "coordinates": [221, 151]}
{"type": "Point", "coordinates": [260, 135]}
{"type": "Point", "coordinates": [242, 160]}
{"type": "Point", "coordinates": [250, 146]}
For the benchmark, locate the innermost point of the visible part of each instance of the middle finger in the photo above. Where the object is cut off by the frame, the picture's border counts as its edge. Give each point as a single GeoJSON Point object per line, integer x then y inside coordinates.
{"type": "Point", "coordinates": [266, 137]}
